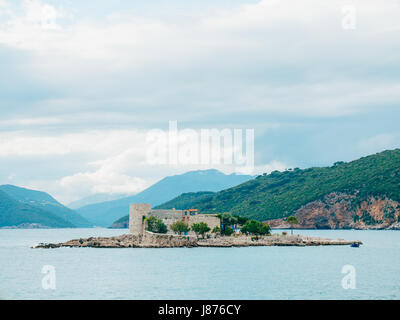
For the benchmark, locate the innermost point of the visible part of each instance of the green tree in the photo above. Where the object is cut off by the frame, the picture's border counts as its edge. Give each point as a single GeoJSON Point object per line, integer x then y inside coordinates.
{"type": "Point", "coordinates": [180, 227]}
{"type": "Point", "coordinates": [256, 228]}
{"type": "Point", "coordinates": [228, 231]}
{"type": "Point", "coordinates": [292, 221]}
{"type": "Point", "coordinates": [200, 228]}
{"type": "Point", "coordinates": [216, 230]}
{"type": "Point", "coordinates": [156, 225]}
{"type": "Point", "coordinates": [241, 220]}
{"type": "Point", "coordinates": [227, 220]}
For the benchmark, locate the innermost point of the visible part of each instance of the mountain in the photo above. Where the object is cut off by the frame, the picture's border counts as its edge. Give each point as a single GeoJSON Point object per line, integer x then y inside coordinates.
{"type": "Point", "coordinates": [105, 213]}
{"type": "Point", "coordinates": [96, 198]}
{"type": "Point", "coordinates": [185, 200]}
{"type": "Point", "coordinates": [15, 213]}
{"type": "Point", "coordinates": [46, 203]}
{"type": "Point", "coordinates": [362, 194]}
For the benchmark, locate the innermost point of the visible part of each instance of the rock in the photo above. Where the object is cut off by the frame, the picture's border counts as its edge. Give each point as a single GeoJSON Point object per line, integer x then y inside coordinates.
{"type": "Point", "coordinates": [394, 226]}
{"type": "Point", "coordinates": [154, 240]}
{"type": "Point", "coordinates": [339, 210]}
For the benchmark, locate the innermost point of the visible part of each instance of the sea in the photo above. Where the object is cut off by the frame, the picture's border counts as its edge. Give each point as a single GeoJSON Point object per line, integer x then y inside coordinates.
{"type": "Point", "coordinates": [371, 271]}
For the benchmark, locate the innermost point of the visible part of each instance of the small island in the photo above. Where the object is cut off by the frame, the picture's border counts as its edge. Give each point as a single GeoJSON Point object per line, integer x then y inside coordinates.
{"type": "Point", "coordinates": [154, 240]}
{"type": "Point", "coordinates": [186, 228]}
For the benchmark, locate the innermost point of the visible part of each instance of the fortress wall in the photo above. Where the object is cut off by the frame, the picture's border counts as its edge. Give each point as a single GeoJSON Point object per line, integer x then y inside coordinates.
{"type": "Point", "coordinates": [170, 220]}
{"type": "Point", "coordinates": [168, 216]}
{"type": "Point", "coordinates": [211, 219]}
{"type": "Point", "coordinates": [177, 214]}
{"type": "Point", "coordinates": [136, 213]}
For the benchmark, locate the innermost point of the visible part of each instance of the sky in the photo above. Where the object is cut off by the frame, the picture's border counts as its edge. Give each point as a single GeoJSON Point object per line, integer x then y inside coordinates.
{"type": "Point", "coordinates": [83, 82]}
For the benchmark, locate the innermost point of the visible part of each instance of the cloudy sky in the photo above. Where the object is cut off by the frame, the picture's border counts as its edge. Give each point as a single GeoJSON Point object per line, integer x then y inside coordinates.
{"type": "Point", "coordinates": [81, 84]}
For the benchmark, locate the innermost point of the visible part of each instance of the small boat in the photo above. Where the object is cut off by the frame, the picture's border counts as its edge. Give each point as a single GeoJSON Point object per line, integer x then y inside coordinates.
{"type": "Point", "coordinates": [355, 245]}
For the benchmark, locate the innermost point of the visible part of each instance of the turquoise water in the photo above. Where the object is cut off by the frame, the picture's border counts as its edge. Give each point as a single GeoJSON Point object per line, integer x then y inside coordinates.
{"type": "Point", "coordinates": [199, 273]}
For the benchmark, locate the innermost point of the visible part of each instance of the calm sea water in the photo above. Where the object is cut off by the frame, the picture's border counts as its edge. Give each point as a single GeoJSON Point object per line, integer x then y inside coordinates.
{"type": "Point", "coordinates": [199, 273]}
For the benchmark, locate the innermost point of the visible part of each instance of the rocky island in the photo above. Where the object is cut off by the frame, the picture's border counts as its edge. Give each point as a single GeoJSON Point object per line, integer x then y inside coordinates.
{"type": "Point", "coordinates": [155, 240]}
{"type": "Point", "coordinates": [154, 229]}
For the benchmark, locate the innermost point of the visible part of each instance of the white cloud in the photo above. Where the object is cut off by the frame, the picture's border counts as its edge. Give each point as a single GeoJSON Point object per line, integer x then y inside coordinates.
{"type": "Point", "coordinates": [44, 15]}
{"type": "Point", "coordinates": [208, 64]}
{"type": "Point", "coordinates": [101, 181]}
{"type": "Point", "coordinates": [378, 143]}
{"type": "Point", "coordinates": [119, 171]}
{"type": "Point", "coordinates": [271, 166]}
{"type": "Point", "coordinates": [115, 174]}
{"type": "Point", "coordinates": [22, 143]}
{"type": "Point", "coordinates": [30, 122]}
{"type": "Point", "coordinates": [122, 151]}
{"type": "Point", "coordinates": [112, 161]}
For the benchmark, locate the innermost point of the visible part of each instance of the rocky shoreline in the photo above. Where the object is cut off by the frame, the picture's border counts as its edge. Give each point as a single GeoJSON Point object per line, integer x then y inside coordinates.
{"type": "Point", "coordinates": [339, 210]}
{"type": "Point", "coordinates": [152, 240]}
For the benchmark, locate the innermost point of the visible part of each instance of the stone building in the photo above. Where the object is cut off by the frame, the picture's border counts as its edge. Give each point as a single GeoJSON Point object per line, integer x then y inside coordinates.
{"type": "Point", "coordinates": [138, 212]}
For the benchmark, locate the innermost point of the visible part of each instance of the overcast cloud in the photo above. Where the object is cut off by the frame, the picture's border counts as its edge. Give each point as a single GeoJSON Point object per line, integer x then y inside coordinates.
{"type": "Point", "coordinates": [81, 85]}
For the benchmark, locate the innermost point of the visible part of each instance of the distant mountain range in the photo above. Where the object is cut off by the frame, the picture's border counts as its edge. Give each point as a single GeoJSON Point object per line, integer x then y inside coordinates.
{"type": "Point", "coordinates": [96, 198]}
{"type": "Point", "coordinates": [105, 213]}
{"type": "Point", "coordinates": [21, 206]}
{"type": "Point", "coordinates": [361, 194]}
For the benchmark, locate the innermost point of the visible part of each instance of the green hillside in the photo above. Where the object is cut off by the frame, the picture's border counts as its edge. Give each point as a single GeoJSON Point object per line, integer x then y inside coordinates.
{"type": "Point", "coordinates": [14, 213]}
{"type": "Point", "coordinates": [185, 200]}
{"type": "Point", "coordinates": [280, 194]}
{"type": "Point", "coordinates": [46, 202]}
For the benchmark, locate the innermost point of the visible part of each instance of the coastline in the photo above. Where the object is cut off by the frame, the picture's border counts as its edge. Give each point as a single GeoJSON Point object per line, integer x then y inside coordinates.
{"type": "Point", "coordinates": [153, 240]}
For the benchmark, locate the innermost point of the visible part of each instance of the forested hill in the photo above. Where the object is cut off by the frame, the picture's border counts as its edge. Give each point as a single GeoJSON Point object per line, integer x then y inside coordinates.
{"type": "Point", "coordinates": [281, 194]}
{"type": "Point", "coordinates": [45, 202]}
{"type": "Point", "coordinates": [14, 213]}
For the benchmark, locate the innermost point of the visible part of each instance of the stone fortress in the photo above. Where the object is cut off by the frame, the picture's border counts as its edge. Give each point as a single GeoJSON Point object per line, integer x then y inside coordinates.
{"type": "Point", "coordinates": [138, 212]}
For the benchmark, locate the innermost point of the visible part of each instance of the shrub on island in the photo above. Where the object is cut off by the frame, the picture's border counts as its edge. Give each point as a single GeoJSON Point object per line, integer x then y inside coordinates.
{"type": "Point", "coordinates": [228, 221]}
{"type": "Point", "coordinates": [200, 229]}
{"type": "Point", "coordinates": [255, 228]}
{"type": "Point", "coordinates": [227, 231]}
{"type": "Point", "coordinates": [180, 227]}
{"type": "Point", "coordinates": [156, 225]}
{"type": "Point", "coordinates": [292, 220]}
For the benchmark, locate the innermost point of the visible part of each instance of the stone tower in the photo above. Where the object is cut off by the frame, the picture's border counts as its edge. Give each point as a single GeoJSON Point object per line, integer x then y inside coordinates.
{"type": "Point", "coordinates": [137, 212]}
